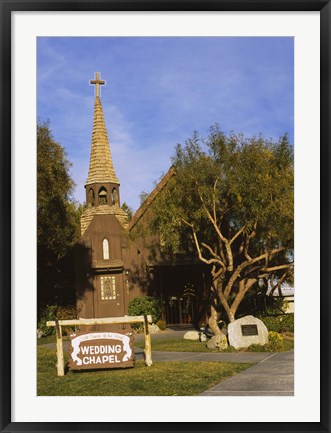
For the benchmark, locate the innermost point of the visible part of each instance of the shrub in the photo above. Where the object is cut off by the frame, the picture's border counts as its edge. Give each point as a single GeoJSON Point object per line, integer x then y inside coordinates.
{"type": "Point", "coordinates": [275, 341]}
{"type": "Point", "coordinates": [161, 324]}
{"type": "Point", "coordinates": [284, 323]}
{"type": "Point", "coordinates": [52, 312]}
{"type": "Point", "coordinates": [145, 305]}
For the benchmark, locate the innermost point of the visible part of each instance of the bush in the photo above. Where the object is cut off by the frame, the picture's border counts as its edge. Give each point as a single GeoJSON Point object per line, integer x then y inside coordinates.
{"type": "Point", "coordinates": [284, 323]}
{"type": "Point", "coordinates": [145, 305]}
{"type": "Point", "coordinates": [161, 324]}
{"type": "Point", "coordinates": [52, 312]}
{"type": "Point", "coordinates": [275, 341]}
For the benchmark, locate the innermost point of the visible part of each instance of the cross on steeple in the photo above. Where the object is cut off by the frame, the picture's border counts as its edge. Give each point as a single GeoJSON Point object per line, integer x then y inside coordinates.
{"type": "Point", "coordinates": [97, 83]}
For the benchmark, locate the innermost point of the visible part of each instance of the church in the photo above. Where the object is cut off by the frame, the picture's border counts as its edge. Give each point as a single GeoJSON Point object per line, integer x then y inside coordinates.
{"type": "Point", "coordinates": [114, 263]}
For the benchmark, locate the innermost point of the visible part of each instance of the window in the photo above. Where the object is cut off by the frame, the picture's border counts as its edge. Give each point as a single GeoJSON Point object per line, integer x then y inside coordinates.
{"type": "Point", "coordinates": [115, 196]}
{"type": "Point", "coordinates": [102, 196]}
{"type": "Point", "coordinates": [108, 288]}
{"type": "Point", "coordinates": [90, 198]}
{"type": "Point", "coordinates": [105, 249]}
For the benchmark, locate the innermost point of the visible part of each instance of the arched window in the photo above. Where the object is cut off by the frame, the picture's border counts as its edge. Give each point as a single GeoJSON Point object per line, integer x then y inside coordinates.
{"type": "Point", "coordinates": [105, 249]}
{"type": "Point", "coordinates": [102, 196]}
{"type": "Point", "coordinates": [115, 196]}
{"type": "Point", "coordinates": [90, 198]}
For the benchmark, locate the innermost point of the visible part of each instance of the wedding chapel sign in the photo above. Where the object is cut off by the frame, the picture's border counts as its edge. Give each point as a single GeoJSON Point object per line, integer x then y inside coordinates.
{"type": "Point", "coordinates": [100, 350]}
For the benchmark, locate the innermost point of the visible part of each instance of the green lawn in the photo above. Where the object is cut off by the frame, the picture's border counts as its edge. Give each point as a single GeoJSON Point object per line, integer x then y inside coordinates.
{"type": "Point", "coordinates": [50, 339]}
{"type": "Point", "coordinates": [181, 345]}
{"type": "Point", "coordinates": [161, 379]}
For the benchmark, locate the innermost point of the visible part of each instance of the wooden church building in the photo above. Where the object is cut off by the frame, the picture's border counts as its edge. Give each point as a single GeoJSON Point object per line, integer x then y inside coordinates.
{"type": "Point", "coordinates": [112, 268]}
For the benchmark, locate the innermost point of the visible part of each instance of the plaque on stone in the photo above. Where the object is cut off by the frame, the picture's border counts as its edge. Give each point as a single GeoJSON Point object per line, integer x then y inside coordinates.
{"type": "Point", "coordinates": [100, 350]}
{"type": "Point", "coordinates": [247, 330]}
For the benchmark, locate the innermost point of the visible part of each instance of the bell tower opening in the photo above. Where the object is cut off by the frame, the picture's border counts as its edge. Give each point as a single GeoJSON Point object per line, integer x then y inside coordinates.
{"type": "Point", "coordinates": [102, 196]}
{"type": "Point", "coordinates": [90, 198]}
{"type": "Point", "coordinates": [115, 197]}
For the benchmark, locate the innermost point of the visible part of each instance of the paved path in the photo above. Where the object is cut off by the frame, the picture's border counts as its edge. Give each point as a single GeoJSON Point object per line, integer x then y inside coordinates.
{"type": "Point", "coordinates": [273, 376]}
{"type": "Point", "coordinates": [240, 357]}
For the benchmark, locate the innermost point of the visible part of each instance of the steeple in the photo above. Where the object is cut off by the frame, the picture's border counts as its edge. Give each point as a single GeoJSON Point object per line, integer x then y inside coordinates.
{"type": "Point", "coordinates": [101, 169]}
{"type": "Point", "coordinates": [102, 185]}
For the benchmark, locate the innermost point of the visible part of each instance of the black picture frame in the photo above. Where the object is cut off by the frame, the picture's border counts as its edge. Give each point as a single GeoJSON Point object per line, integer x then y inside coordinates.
{"type": "Point", "coordinates": [9, 6]}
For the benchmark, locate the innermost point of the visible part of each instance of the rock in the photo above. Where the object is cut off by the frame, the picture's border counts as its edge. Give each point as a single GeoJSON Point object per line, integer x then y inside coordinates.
{"type": "Point", "coordinates": [241, 332]}
{"type": "Point", "coordinates": [203, 337]}
{"type": "Point", "coordinates": [154, 329]}
{"type": "Point", "coordinates": [191, 335]}
{"type": "Point", "coordinates": [219, 342]}
{"type": "Point", "coordinates": [39, 333]}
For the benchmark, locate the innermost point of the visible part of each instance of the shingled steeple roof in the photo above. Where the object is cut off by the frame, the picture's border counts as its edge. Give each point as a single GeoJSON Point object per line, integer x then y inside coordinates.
{"type": "Point", "coordinates": [101, 168]}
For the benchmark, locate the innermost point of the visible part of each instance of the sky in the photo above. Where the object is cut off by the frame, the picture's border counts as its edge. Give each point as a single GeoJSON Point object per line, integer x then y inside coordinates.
{"type": "Point", "coordinates": [158, 91]}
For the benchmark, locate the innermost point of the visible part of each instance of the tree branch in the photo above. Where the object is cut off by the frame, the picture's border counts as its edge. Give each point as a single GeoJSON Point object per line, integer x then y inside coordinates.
{"type": "Point", "coordinates": [187, 223]}
{"type": "Point", "coordinates": [218, 231]}
{"type": "Point", "coordinates": [237, 234]}
{"type": "Point", "coordinates": [277, 268]}
{"type": "Point", "coordinates": [213, 254]}
{"type": "Point", "coordinates": [244, 265]}
{"type": "Point", "coordinates": [214, 198]}
{"type": "Point", "coordinates": [244, 286]}
{"type": "Point", "coordinates": [207, 261]}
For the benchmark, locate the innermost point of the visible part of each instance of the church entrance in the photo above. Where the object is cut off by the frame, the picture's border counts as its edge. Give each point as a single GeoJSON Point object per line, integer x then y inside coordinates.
{"type": "Point", "coordinates": [108, 299]}
{"type": "Point", "coordinates": [179, 311]}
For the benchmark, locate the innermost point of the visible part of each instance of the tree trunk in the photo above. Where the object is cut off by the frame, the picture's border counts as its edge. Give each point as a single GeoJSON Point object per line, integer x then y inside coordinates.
{"type": "Point", "coordinates": [212, 321]}
{"type": "Point", "coordinates": [225, 304]}
{"type": "Point", "coordinates": [231, 317]}
{"type": "Point", "coordinates": [243, 288]}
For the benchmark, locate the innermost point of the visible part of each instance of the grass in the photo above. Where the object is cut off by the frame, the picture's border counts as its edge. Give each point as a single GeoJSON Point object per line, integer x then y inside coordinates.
{"type": "Point", "coordinates": [181, 345]}
{"type": "Point", "coordinates": [50, 339]}
{"type": "Point", "coordinates": [161, 379]}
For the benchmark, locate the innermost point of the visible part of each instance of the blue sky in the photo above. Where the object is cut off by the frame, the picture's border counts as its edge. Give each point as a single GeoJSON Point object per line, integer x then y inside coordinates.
{"type": "Point", "coordinates": [159, 90]}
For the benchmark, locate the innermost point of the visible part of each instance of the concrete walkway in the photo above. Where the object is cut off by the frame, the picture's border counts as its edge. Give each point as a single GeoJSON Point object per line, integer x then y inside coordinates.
{"type": "Point", "coordinates": [240, 357]}
{"type": "Point", "coordinates": [273, 376]}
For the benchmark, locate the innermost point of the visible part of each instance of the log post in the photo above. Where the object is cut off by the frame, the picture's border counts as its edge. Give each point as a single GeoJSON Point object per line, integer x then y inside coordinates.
{"type": "Point", "coordinates": [148, 345]}
{"type": "Point", "coordinates": [59, 349]}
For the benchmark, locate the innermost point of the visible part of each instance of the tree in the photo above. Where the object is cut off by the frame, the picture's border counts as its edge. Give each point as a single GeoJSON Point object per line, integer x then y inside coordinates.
{"type": "Point", "coordinates": [232, 197]}
{"type": "Point", "coordinates": [143, 196]}
{"type": "Point", "coordinates": [57, 218]}
{"type": "Point", "coordinates": [128, 209]}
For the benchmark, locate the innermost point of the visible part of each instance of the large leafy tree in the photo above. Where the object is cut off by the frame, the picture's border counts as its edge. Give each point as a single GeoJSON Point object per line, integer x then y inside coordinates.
{"type": "Point", "coordinates": [232, 197]}
{"type": "Point", "coordinates": [57, 220]}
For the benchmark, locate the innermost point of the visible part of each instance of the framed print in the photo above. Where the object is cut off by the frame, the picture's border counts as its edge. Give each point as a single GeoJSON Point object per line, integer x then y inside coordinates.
{"type": "Point", "coordinates": [151, 74]}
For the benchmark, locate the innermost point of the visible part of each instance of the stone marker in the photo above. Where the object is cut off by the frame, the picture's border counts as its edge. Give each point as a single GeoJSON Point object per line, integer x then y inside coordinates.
{"type": "Point", "coordinates": [191, 335]}
{"type": "Point", "coordinates": [247, 331]}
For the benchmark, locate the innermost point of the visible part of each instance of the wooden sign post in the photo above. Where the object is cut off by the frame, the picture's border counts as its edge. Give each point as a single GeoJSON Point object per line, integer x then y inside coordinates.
{"type": "Point", "coordinates": [59, 349]}
{"type": "Point", "coordinates": [101, 349]}
{"type": "Point", "coordinates": [148, 345]}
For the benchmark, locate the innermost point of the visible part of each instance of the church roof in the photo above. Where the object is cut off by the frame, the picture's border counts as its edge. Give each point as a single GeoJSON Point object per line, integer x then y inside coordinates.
{"type": "Point", "coordinates": [101, 169]}
{"type": "Point", "coordinates": [90, 212]}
